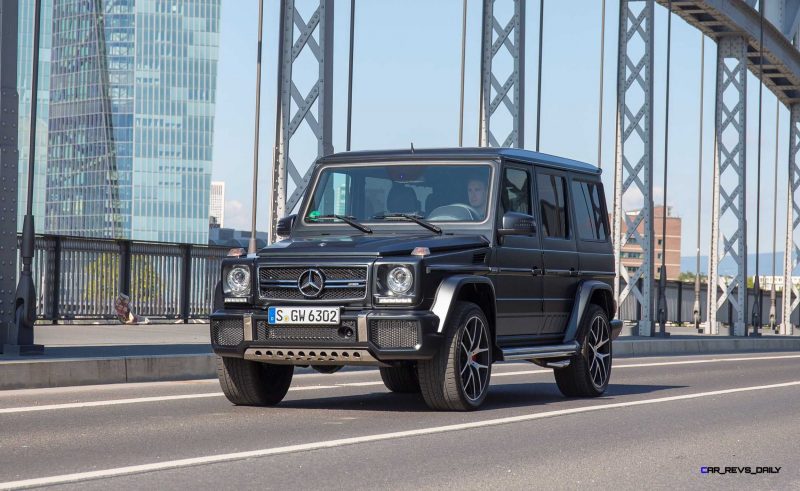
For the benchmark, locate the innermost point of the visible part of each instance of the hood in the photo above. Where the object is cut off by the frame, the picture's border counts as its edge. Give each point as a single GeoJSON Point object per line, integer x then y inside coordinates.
{"type": "Point", "coordinates": [371, 245]}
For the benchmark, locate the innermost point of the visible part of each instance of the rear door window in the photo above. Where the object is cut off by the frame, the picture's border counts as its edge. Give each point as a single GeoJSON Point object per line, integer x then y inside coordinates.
{"type": "Point", "coordinates": [553, 205]}
{"type": "Point", "coordinates": [590, 213]}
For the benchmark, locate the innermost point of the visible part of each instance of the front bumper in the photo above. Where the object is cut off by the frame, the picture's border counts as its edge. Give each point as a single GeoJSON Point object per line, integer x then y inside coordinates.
{"type": "Point", "coordinates": [365, 337]}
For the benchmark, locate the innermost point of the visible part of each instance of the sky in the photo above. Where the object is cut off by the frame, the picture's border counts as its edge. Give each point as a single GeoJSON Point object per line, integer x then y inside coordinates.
{"type": "Point", "coordinates": [406, 89]}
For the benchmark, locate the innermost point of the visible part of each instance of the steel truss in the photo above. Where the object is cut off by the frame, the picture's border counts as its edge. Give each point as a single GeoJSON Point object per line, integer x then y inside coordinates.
{"type": "Point", "coordinates": [296, 109]}
{"type": "Point", "coordinates": [634, 155]}
{"type": "Point", "coordinates": [497, 39]}
{"type": "Point", "coordinates": [9, 162]}
{"type": "Point", "coordinates": [728, 208]}
{"type": "Point", "coordinates": [791, 257]}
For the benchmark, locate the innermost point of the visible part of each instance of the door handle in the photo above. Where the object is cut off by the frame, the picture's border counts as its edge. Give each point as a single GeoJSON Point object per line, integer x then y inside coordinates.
{"type": "Point", "coordinates": [536, 271]}
{"type": "Point", "coordinates": [573, 272]}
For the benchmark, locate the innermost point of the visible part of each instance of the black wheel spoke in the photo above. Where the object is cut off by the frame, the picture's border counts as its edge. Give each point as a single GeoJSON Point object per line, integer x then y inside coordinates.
{"type": "Point", "coordinates": [474, 355]}
{"type": "Point", "coordinates": [599, 353]}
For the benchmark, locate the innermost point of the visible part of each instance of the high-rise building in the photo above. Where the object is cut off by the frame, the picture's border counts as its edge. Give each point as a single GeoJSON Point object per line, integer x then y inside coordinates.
{"type": "Point", "coordinates": [24, 81]}
{"type": "Point", "coordinates": [131, 118]}
{"type": "Point", "coordinates": [217, 208]}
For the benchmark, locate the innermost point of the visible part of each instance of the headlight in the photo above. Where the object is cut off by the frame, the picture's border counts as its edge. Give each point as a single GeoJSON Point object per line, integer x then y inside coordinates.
{"type": "Point", "coordinates": [400, 280]}
{"type": "Point", "coordinates": [239, 280]}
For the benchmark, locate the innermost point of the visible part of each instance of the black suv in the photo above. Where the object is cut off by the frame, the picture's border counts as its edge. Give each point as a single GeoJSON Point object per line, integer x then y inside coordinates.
{"type": "Point", "coordinates": [432, 265]}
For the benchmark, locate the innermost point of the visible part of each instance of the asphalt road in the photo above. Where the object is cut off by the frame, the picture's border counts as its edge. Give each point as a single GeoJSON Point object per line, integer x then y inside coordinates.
{"type": "Point", "coordinates": [661, 420]}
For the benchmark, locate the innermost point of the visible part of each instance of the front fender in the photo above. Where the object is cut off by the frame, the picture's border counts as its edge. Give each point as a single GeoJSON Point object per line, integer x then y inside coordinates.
{"type": "Point", "coordinates": [582, 298]}
{"type": "Point", "coordinates": [449, 290]}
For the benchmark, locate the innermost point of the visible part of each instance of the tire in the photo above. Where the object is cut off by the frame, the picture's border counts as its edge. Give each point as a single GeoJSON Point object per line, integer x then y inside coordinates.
{"type": "Point", "coordinates": [250, 383]}
{"type": "Point", "coordinates": [457, 377]}
{"type": "Point", "coordinates": [590, 369]}
{"type": "Point", "coordinates": [402, 379]}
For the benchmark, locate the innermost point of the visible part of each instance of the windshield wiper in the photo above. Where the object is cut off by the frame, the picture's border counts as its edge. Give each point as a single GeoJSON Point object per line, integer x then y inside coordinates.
{"type": "Point", "coordinates": [348, 220]}
{"type": "Point", "coordinates": [414, 218]}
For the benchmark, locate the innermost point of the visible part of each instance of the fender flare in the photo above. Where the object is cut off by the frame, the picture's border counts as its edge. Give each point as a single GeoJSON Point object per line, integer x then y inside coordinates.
{"type": "Point", "coordinates": [582, 297]}
{"type": "Point", "coordinates": [449, 290]}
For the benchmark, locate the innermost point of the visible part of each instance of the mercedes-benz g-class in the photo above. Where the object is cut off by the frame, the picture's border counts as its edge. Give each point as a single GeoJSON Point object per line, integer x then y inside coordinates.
{"type": "Point", "coordinates": [431, 265]}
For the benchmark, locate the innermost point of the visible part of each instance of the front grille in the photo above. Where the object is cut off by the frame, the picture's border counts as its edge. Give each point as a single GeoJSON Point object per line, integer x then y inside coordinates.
{"type": "Point", "coordinates": [394, 333]}
{"type": "Point", "coordinates": [229, 332]}
{"type": "Point", "coordinates": [328, 294]}
{"type": "Point", "coordinates": [350, 273]}
{"type": "Point", "coordinates": [342, 283]}
{"type": "Point", "coordinates": [338, 334]}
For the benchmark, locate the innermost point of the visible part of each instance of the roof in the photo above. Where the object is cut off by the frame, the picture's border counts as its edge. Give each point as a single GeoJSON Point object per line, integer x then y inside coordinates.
{"type": "Point", "coordinates": [461, 153]}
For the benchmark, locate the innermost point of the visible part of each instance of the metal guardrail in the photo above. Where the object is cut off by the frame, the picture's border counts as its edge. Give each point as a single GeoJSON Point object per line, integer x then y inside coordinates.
{"type": "Point", "coordinates": [79, 278]}
{"type": "Point", "coordinates": [680, 305]}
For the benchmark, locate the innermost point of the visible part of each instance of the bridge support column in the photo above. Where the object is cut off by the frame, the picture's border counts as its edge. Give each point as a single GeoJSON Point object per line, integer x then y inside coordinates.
{"type": "Point", "coordinates": [9, 162]}
{"type": "Point", "coordinates": [791, 256]}
{"type": "Point", "coordinates": [311, 111]}
{"type": "Point", "coordinates": [634, 157]}
{"type": "Point", "coordinates": [729, 216]}
{"type": "Point", "coordinates": [498, 36]}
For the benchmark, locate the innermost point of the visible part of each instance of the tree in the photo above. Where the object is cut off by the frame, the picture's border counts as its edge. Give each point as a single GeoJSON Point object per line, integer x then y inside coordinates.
{"type": "Point", "coordinates": [102, 281]}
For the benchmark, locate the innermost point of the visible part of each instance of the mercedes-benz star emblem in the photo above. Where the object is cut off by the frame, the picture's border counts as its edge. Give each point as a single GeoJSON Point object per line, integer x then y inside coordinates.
{"type": "Point", "coordinates": [311, 283]}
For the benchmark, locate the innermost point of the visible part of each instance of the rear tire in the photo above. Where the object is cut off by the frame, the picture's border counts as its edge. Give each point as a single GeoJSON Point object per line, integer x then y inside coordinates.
{"type": "Point", "coordinates": [457, 377]}
{"type": "Point", "coordinates": [402, 379]}
{"type": "Point", "coordinates": [590, 370]}
{"type": "Point", "coordinates": [250, 383]}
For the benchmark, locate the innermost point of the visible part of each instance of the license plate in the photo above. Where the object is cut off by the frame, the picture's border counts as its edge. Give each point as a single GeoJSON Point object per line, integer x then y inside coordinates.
{"type": "Point", "coordinates": [327, 316]}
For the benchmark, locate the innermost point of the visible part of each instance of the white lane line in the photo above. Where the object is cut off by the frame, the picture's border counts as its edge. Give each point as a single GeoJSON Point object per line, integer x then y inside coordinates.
{"type": "Point", "coordinates": [114, 402]}
{"type": "Point", "coordinates": [325, 444]}
{"type": "Point", "coordinates": [712, 360]}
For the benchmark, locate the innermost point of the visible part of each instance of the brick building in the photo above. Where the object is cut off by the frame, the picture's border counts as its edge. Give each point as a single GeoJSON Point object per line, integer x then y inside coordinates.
{"type": "Point", "coordinates": [631, 252]}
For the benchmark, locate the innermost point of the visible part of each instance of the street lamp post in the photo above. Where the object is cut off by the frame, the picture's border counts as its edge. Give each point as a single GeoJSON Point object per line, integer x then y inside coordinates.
{"type": "Point", "coordinates": [20, 336]}
{"type": "Point", "coordinates": [252, 248]}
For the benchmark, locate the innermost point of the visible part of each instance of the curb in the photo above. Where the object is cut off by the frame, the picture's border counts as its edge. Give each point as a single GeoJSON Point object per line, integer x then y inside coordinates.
{"type": "Point", "coordinates": [683, 346]}
{"type": "Point", "coordinates": [26, 374]}
{"type": "Point", "coordinates": [64, 372]}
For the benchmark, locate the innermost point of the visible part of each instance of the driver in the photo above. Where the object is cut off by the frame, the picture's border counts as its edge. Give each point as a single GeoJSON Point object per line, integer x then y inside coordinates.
{"type": "Point", "coordinates": [476, 191]}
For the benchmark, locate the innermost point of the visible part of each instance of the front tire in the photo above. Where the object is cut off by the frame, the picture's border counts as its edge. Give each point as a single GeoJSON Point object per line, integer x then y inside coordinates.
{"type": "Point", "coordinates": [457, 377]}
{"type": "Point", "coordinates": [590, 370]}
{"type": "Point", "coordinates": [250, 383]}
{"type": "Point", "coordinates": [402, 379]}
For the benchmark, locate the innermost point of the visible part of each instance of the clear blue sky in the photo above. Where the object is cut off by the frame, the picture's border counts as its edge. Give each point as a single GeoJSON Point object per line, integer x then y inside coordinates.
{"type": "Point", "coordinates": [406, 88]}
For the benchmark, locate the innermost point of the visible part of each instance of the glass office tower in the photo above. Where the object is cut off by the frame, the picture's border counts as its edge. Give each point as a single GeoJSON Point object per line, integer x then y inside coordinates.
{"type": "Point", "coordinates": [24, 80]}
{"type": "Point", "coordinates": [133, 86]}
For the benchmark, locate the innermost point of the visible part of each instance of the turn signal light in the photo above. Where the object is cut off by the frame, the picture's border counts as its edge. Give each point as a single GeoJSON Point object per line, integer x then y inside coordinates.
{"type": "Point", "coordinates": [237, 252]}
{"type": "Point", "coordinates": [421, 251]}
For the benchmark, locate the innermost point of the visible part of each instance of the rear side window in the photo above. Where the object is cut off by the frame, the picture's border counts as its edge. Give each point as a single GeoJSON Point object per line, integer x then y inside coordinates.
{"type": "Point", "coordinates": [591, 223]}
{"type": "Point", "coordinates": [552, 200]}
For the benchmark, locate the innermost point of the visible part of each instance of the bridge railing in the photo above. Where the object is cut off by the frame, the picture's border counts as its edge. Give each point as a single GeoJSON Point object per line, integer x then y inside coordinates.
{"type": "Point", "coordinates": [79, 278]}
{"type": "Point", "coordinates": [680, 305]}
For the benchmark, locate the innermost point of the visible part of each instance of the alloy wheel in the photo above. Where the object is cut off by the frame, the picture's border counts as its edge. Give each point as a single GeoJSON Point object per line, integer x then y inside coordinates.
{"type": "Point", "coordinates": [474, 358]}
{"type": "Point", "coordinates": [599, 342]}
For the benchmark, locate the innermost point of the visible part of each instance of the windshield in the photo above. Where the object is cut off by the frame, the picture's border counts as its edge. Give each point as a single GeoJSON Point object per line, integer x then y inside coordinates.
{"type": "Point", "coordinates": [434, 192]}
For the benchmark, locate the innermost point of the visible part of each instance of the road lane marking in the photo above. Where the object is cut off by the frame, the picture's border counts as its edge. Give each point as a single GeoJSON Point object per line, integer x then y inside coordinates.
{"type": "Point", "coordinates": [114, 402]}
{"type": "Point", "coordinates": [111, 402]}
{"type": "Point", "coordinates": [712, 360]}
{"type": "Point", "coordinates": [341, 442]}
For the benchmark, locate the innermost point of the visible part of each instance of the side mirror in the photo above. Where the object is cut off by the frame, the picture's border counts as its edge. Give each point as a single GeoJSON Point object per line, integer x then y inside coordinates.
{"type": "Point", "coordinates": [517, 224]}
{"type": "Point", "coordinates": [285, 224]}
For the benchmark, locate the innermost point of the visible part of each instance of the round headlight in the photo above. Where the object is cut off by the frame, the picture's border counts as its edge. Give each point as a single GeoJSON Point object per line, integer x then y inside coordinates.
{"type": "Point", "coordinates": [239, 280]}
{"type": "Point", "coordinates": [400, 279]}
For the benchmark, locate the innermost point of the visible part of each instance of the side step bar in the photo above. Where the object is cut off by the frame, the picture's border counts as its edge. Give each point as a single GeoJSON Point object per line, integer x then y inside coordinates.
{"type": "Point", "coordinates": [539, 352]}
